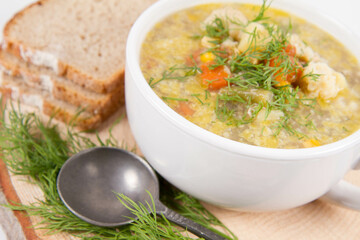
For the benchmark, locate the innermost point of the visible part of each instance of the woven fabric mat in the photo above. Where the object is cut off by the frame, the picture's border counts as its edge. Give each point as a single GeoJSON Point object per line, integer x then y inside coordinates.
{"type": "Point", "coordinates": [316, 220]}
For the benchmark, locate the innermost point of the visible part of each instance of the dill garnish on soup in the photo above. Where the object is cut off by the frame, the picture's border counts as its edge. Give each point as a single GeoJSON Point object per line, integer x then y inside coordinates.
{"type": "Point", "coordinates": [254, 74]}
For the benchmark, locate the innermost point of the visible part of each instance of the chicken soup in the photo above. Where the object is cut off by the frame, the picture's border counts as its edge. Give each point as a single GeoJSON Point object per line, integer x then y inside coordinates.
{"type": "Point", "coordinates": [254, 74]}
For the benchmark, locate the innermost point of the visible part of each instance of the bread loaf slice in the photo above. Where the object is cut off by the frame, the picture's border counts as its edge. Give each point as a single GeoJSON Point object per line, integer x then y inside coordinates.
{"type": "Point", "coordinates": [82, 40]}
{"type": "Point", "coordinates": [60, 88]}
{"type": "Point", "coordinates": [15, 88]}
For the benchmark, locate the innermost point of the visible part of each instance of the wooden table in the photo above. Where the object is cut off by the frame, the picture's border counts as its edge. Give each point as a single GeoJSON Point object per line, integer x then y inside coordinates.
{"type": "Point", "coordinates": [316, 220]}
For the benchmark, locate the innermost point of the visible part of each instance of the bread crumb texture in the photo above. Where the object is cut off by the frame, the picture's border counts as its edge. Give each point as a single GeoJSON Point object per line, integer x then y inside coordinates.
{"type": "Point", "coordinates": [89, 36]}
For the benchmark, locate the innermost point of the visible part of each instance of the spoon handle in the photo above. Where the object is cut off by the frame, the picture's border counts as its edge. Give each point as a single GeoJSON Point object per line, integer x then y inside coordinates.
{"type": "Point", "coordinates": [186, 223]}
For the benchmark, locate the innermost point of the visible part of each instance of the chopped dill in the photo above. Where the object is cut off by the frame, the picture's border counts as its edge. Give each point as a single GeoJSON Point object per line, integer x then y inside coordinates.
{"type": "Point", "coordinates": [175, 99]}
{"type": "Point", "coordinates": [196, 36]}
{"type": "Point", "coordinates": [207, 94]}
{"type": "Point", "coordinates": [197, 98]}
{"type": "Point", "coordinates": [176, 73]}
{"type": "Point", "coordinates": [260, 16]}
{"type": "Point", "coordinates": [268, 66]}
{"type": "Point", "coordinates": [310, 125]}
{"type": "Point", "coordinates": [32, 148]}
{"type": "Point", "coordinates": [219, 61]}
{"type": "Point", "coordinates": [217, 30]}
{"type": "Point", "coordinates": [262, 131]}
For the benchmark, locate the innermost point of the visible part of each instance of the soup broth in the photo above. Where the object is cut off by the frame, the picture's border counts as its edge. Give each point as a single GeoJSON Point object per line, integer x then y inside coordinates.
{"type": "Point", "coordinates": [271, 80]}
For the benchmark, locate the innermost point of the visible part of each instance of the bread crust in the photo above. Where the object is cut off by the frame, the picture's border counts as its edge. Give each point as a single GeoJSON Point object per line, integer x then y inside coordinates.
{"type": "Point", "coordinates": [111, 83]}
{"type": "Point", "coordinates": [92, 84]}
{"type": "Point", "coordinates": [19, 14]}
{"type": "Point", "coordinates": [81, 121]}
{"type": "Point", "coordinates": [68, 114]}
{"type": "Point", "coordinates": [63, 69]}
{"type": "Point", "coordinates": [104, 105]}
{"type": "Point", "coordinates": [69, 72]}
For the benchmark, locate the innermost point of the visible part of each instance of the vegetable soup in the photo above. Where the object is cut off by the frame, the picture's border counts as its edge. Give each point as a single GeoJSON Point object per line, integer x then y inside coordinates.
{"type": "Point", "coordinates": [254, 74]}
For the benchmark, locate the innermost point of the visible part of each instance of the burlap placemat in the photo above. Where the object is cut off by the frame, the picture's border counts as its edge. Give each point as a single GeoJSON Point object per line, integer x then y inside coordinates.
{"type": "Point", "coordinates": [316, 220]}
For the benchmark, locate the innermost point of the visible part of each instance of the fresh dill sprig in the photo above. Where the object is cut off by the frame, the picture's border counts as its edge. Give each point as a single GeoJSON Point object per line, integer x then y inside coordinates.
{"type": "Point", "coordinates": [191, 208]}
{"type": "Point", "coordinates": [32, 148]}
{"type": "Point", "coordinates": [144, 220]}
{"type": "Point", "coordinates": [175, 99]}
{"type": "Point", "coordinates": [261, 14]}
{"type": "Point", "coordinates": [176, 73]}
{"type": "Point", "coordinates": [269, 65]}
{"type": "Point", "coordinates": [259, 67]}
{"type": "Point", "coordinates": [217, 30]}
{"type": "Point", "coordinates": [197, 96]}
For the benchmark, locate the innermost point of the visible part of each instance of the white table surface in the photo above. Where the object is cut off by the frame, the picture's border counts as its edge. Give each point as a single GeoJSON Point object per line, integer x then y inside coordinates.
{"type": "Point", "coordinates": [345, 11]}
{"type": "Point", "coordinates": [2, 234]}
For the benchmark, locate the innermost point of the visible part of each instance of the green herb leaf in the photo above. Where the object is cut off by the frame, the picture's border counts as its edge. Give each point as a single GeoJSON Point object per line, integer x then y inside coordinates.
{"type": "Point", "coordinates": [32, 148]}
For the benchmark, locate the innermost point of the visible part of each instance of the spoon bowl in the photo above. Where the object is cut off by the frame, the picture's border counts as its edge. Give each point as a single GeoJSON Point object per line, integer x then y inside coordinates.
{"type": "Point", "coordinates": [89, 180]}
{"type": "Point", "coordinates": [88, 183]}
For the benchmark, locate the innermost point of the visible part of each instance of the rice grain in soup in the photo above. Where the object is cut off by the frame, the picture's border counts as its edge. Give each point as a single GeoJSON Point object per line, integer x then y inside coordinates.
{"type": "Point", "coordinates": [273, 81]}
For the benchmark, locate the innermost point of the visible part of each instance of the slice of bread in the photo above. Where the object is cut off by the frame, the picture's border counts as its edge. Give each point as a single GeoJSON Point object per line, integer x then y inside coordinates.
{"type": "Point", "coordinates": [17, 90]}
{"type": "Point", "coordinates": [61, 88]}
{"type": "Point", "coordinates": [82, 40]}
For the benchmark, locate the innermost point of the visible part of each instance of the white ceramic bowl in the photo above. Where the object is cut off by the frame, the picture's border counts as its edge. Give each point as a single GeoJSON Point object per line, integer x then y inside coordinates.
{"type": "Point", "coordinates": [224, 172]}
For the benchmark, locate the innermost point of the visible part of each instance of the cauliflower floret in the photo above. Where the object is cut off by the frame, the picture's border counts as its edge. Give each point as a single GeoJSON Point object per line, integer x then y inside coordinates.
{"type": "Point", "coordinates": [208, 42]}
{"type": "Point", "coordinates": [327, 85]}
{"type": "Point", "coordinates": [254, 33]}
{"type": "Point", "coordinates": [232, 18]}
{"type": "Point", "coordinates": [303, 52]}
{"type": "Point", "coordinates": [229, 45]}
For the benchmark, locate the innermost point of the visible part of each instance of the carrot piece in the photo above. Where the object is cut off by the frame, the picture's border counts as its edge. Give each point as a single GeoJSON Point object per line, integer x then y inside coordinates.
{"type": "Point", "coordinates": [195, 56]}
{"type": "Point", "coordinates": [289, 77]}
{"type": "Point", "coordinates": [184, 109]}
{"type": "Point", "coordinates": [214, 78]}
{"type": "Point", "coordinates": [296, 73]}
{"type": "Point", "coordinates": [290, 50]}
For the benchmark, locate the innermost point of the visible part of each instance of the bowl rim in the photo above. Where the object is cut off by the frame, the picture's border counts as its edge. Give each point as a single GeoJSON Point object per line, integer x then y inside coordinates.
{"type": "Point", "coordinates": [151, 16]}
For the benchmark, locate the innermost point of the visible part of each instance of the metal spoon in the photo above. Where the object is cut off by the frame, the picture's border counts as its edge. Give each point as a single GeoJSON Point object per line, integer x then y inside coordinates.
{"type": "Point", "coordinates": [87, 181]}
